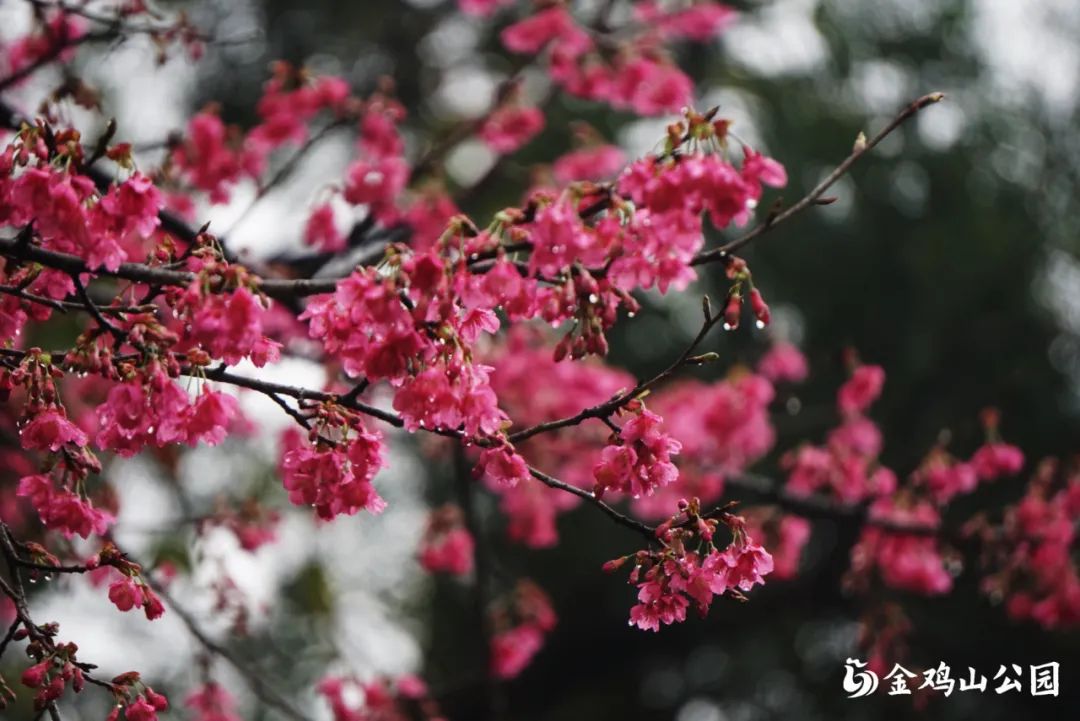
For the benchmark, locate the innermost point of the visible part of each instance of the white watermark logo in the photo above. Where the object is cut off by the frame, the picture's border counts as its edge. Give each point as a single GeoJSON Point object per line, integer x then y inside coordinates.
{"type": "Point", "coordinates": [1041, 680]}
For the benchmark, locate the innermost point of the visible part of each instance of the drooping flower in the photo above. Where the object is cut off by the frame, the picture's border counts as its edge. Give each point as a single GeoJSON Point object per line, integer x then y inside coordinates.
{"type": "Point", "coordinates": [50, 431]}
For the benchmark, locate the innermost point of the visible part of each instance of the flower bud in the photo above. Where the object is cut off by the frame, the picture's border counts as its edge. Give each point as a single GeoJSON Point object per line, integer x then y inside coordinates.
{"type": "Point", "coordinates": [35, 675]}
{"type": "Point", "coordinates": [760, 308]}
{"type": "Point", "coordinates": [614, 565]}
{"type": "Point", "coordinates": [731, 312]}
{"type": "Point", "coordinates": [156, 700]}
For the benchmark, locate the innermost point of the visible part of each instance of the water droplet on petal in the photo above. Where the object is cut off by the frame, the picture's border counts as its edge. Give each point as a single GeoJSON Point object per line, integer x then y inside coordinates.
{"type": "Point", "coordinates": [728, 326]}
{"type": "Point", "coordinates": [760, 324]}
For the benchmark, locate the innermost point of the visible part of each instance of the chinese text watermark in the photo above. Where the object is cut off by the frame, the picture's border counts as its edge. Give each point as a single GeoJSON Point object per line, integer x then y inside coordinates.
{"type": "Point", "coordinates": [1040, 680]}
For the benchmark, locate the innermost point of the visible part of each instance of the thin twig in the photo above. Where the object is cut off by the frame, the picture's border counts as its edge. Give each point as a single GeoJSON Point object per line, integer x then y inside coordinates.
{"type": "Point", "coordinates": [724, 251]}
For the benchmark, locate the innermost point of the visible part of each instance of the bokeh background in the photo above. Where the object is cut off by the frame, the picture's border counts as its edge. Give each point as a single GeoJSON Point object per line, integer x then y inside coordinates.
{"type": "Point", "coordinates": [951, 258]}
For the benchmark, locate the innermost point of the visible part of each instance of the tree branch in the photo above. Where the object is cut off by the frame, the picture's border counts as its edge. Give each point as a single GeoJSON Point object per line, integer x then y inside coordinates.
{"type": "Point", "coordinates": [861, 149]}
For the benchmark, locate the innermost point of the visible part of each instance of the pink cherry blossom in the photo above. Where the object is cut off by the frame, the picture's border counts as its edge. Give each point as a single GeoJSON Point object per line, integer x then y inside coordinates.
{"type": "Point", "coordinates": [783, 363]}
{"type": "Point", "coordinates": [994, 460]}
{"type": "Point", "coordinates": [512, 650]}
{"type": "Point", "coordinates": [482, 8]}
{"type": "Point", "coordinates": [125, 594]}
{"type": "Point", "coordinates": [511, 127]}
{"type": "Point", "coordinates": [531, 35]}
{"type": "Point", "coordinates": [212, 702]}
{"type": "Point", "coordinates": [50, 431]}
{"type": "Point", "coordinates": [594, 163]}
{"type": "Point", "coordinates": [321, 230]}
{"type": "Point", "coordinates": [63, 510]}
{"type": "Point", "coordinates": [862, 389]}
{"type": "Point", "coordinates": [643, 463]}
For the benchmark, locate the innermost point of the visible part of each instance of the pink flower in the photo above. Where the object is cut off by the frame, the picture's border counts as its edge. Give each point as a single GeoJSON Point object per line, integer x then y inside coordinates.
{"type": "Point", "coordinates": [596, 163]}
{"type": "Point", "coordinates": [997, 459]}
{"type": "Point", "coordinates": [207, 159]}
{"type": "Point", "coordinates": [748, 564]}
{"type": "Point", "coordinates": [130, 209]}
{"type": "Point", "coordinates": [794, 532]}
{"type": "Point", "coordinates": [125, 594]}
{"type": "Point", "coordinates": [657, 604]}
{"type": "Point", "coordinates": [758, 169]}
{"type": "Point", "coordinates": [651, 88]}
{"type": "Point", "coordinates": [862, 389]}
{"type": "Point", "coordinates": [140, 710]}
{"type": "Point", "coordinates": [857, 436]}
{"type": "Point", "coordinates": [783, 363]}
{"type": "Point", "coordinates": [512, 650]}
{"type": "Point", "coordinates": [699, 22]}
{"type": "Point", "coordinates": [62, 510]}
{"type": "Point", "coordinates": [376, 182]}
{"type": "Point", "coordinates": [643, 463]}
{"type": "Point", "coordinates": [209, 417]}
{"type": "Point", "coordinates": [411, 687]}
{"type": "Point", "coordinates": [35, 675]}
{"type": "Point", "coordinates": [159, 702]}
{"type": "Point", "coordinates": [50, 430]}
{"type": "Point", "coordinates": [61, 30]}
{"type": "Point", "coordinates": [322, 232]}
{"type": "Point", "coordinates": [482, 8]}
{"type": "Point", "coordinates": [335, 480]}
{"type": "Point", "coordinates": [510, 127]}
{"type": "Point", "coordinates": [531, 35]}
{"type": "Point", "coordinates": [153, 608]}
{"type": "Point", "coordinates": [212, 702]}
{"type": "Point", "coordinates": [501, 466]}
{"type": "Point", "coordinates": [450, 552]}
{"type": "Point", "coordinates": [227, 325]}
{"type": "Point", "coordinates": [906, 561]}
{"type": "Point", "coordinates": [945, 479]}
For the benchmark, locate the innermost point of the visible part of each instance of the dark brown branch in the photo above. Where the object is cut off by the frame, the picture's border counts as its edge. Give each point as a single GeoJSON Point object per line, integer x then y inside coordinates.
{"type": "Point", "coordinates": [605, 410]}
{"type": "Point", "coordinates": [763, 490]}
{"type": "Point", "coordinates": [54, 52]}
{"type": "Point", "coordinates": [260, 686]}
{"type": "Point", "coordinates": [647, 531]}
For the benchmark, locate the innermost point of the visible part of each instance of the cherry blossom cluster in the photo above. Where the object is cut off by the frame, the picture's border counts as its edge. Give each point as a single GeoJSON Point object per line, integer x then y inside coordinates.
{"type": "Point", "coordinates": [59, 494]}
{"type": "Point", "coordinates": [690, 568]}
{"type": "Point", "coordinates": [1030, 553]}
{"type": "Point", "coordinates": [57, 666]}
{"type": "Point", "coordinates": [492, 337]}
{"type": "Point", "coordinates": [38, 186]}
{"type": "Point", "coordinates": [900, 540]}
{"type": "Point", "coordinates": [401, 698]}
{"type": "Point", "coordinates": [221, 312]}
{"type": "Point", "coordinates": [212, 157]}
{"type": "Point", "coordinates": [846, 466]}
{"type": "Point", "coordinates": [56, 36]}
{"type": "Point", "coordinates": [447, 546]}
{"type": "Point", "coordinates": [211, 702]}
{"type": "Point", "coordinates": [135, 700]}
{"type": "Point", "coordinates": [331, 468]}
{"type": "Point", "coordinates": [522, 621]}
{"type": "Point", "coordinates": [635, 72]}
